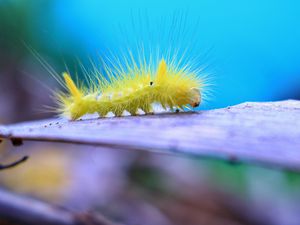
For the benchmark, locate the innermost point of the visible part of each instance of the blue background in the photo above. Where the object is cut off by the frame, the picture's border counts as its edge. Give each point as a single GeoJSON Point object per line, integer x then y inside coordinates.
{"type": "Point", "coordinates": [253, 46]}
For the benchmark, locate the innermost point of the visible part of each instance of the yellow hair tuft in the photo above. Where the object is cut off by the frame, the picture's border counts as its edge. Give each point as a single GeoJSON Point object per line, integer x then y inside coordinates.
{"type": "Point", "coordinates": [74, 91]}
{"type": "Point", "coordinates": [162, 70]}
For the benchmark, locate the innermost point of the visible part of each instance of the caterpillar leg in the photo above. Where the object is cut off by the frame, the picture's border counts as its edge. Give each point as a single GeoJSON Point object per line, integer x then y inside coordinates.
{"type": "Point", "coordinates": [102, 113]}
{"type": "Point", "coordinates": [133, 112]}
{"type": "Point", "coordinates": [147, 108]}
{"type": "Point", "coordinates": [118, 111]}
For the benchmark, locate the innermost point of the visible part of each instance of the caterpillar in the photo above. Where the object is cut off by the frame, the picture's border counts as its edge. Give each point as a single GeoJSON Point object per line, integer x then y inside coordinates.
{"type": "Point", "coordinates": [131, 89]}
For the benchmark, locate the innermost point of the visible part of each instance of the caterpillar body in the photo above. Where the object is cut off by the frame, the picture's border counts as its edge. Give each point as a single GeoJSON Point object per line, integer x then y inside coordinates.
{"type": "Point", "coordinates": [132, 89]}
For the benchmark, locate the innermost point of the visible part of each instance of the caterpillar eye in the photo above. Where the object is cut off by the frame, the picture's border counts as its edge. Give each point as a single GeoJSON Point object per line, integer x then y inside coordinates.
{"type": "Point", "coordinates": [151, 83]}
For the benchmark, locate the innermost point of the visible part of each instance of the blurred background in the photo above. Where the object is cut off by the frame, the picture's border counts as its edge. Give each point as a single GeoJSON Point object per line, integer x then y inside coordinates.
{"type": "Point", "coordinates": [251, 49]}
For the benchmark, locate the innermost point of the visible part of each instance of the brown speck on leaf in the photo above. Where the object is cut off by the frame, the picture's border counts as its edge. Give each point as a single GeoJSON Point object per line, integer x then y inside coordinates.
{"type": "Point", "coordinates": [16, 141]}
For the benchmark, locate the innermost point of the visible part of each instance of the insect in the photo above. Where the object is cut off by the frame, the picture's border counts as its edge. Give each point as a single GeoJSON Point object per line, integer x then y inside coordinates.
{"type": "Point", "coordinates": [132, 88]}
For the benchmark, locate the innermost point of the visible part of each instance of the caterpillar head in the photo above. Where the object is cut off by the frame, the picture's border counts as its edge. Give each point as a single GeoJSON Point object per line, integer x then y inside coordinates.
{"type": "Point", "coordinates": [181, 87]}
{"type": "Point", "coordinates": [195, 97]}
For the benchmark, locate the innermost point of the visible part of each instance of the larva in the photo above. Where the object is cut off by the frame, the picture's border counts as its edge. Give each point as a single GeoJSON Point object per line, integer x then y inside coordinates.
{"type": "Point", "coordinates": [130, 89]}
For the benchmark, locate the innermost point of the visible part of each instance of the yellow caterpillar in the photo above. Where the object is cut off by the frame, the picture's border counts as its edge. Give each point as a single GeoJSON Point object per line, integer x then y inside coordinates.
{"type": "Point", "coordinates": [130, 89]}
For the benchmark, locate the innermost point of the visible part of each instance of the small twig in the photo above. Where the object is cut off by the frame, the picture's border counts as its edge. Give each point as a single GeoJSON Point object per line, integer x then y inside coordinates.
{"type": "Point", "coordinates": [13, 164]}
